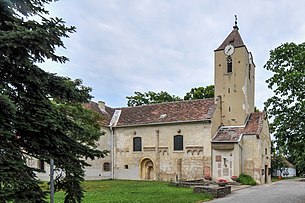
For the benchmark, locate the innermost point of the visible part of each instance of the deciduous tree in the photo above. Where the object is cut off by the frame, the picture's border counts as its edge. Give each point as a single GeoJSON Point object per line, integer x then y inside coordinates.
{"type": "Point", "coordinates": [200, 93]}
{"type": "Point", "coordinates": [286, 107]}
{"type": "Point", "coordinates": [150, 98]}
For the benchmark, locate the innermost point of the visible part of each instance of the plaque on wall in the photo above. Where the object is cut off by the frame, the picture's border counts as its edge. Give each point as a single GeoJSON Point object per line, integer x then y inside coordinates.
{"type": "Point", "coordinates": [218, 158]}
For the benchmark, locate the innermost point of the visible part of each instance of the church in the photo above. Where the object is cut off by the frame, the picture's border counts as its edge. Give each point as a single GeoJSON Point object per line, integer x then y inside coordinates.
{"type": "Point", "coordinates": [217, 137]}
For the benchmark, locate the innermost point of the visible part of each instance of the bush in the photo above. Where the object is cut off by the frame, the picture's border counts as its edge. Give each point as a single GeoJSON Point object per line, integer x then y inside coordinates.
{"type": "Point", "coordinates": [246, 179]}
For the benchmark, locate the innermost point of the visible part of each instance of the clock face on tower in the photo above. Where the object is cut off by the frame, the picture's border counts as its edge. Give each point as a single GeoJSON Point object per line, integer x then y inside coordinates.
{"type": "Point", "coordinates": [229, 49]}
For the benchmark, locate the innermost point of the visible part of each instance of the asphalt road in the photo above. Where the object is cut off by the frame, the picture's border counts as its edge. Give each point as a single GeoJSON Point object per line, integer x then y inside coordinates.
{"type": "Point", "coordinates": [285, 191]}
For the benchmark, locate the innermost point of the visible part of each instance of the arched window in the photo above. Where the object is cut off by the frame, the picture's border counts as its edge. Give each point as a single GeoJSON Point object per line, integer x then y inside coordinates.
{"type": "Point", "coordinates": [106, 166]}
{"type": "Point", "coordinates": [229, 65]}
{"type": "Point", "coordinates": [137, 144]}
{"type": "Point", "coordinates": [178, 142]}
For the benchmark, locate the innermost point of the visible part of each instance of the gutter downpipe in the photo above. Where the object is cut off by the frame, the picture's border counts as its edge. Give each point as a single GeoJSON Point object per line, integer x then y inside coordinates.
{"type": "Point", "coordinates": [112, 151]}
{"type": "Point", "coordinates": [241, 157]}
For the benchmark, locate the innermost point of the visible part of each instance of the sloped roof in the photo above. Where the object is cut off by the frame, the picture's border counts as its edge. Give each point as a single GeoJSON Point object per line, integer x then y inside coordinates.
{"type": "Point", "coordinates": [233, 133]}
{"type": "Point", "coordinates": [104, 114]}
{"type": "Point", "coordinates": [171, 112]}
{"type": "Point", "coordinates": [233, 38]}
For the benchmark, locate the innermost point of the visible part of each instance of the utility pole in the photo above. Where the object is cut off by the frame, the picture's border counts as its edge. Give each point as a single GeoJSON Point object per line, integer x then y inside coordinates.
{"type": "Point", "coordinates": [51, 180]}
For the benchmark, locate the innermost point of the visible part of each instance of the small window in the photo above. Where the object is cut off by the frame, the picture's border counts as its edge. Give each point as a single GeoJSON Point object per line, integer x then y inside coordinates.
{"type": "Point", "coordinates": [106, 166]}
{"type": "Point", "coordinates": [178, 142]}
{"type": "Point", "coordinates": [40, 165]}
{"type": "Point", "coordinates": [249, 72]}
{"type": "Point", "coordinates": [137, 144]}
{"type": "Point", "coordinates": [266, 151]}
{"type": "Point", "coordinates": [229, 64]}
{"type": "Point", "coordinates": [126, 166]}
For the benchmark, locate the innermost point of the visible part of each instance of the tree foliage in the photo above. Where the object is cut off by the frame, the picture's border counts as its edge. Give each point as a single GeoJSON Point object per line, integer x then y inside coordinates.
{"type": "Point", "coordinates": [278, 161]}
{"type": "Point", "coordinates": [153, 98]}
{"type": "Point", "coordinates": [287, 106]}
{"type": "Point", "coordinates": [150, 98]}
{"type": "Point", "coordinates": [41, 114]}
{"type": "Point", "coordinates": [200, 93]}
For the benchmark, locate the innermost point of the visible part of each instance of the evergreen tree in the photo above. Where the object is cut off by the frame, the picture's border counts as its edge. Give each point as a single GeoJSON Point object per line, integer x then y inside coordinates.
{"type": "Point", "coordinates": [41, 114]}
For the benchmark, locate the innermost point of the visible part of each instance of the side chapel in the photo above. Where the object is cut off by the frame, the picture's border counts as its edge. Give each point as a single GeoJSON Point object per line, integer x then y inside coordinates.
{"type": "Point", "coordinates": [186, 140]}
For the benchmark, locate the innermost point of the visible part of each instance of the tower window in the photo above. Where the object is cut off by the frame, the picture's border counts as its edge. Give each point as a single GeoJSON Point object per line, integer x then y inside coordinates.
{"type": "Point", "coordinates": [229, 64]}
{"type": "Point", "coordinates": [178, 142]}
{"type": "Point", "coordinates": [249, 72]}
{"type": "Point", "coordinates": [137, 144]}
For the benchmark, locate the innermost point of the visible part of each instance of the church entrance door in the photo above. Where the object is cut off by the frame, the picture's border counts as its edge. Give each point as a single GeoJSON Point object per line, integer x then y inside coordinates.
{"type": "Point", "coordinates": [223, 165]}
{"type": "Point", "coordinates": [147, 169]}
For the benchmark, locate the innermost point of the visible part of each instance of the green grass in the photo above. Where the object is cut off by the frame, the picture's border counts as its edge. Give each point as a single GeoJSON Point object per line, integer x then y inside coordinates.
{"type": "Point", "coordinates": [135, 191]}
{"type": "Point", "coordinates": [276, 178]}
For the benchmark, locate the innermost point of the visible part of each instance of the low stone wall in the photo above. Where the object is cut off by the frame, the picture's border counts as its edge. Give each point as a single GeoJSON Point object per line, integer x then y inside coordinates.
{"type": "Point", "coordinates": [188, 184]}
{"type": "Point", "coordinates": [216, 191]}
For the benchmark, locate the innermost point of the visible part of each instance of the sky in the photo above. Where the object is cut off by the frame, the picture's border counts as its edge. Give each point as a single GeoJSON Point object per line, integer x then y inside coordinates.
{"type": "Point", "coordinates": [123, 46]}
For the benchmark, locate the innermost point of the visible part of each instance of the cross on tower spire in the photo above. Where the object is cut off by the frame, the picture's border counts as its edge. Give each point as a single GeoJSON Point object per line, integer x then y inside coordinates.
{"type": "Point", "coordinates": [235, 23]}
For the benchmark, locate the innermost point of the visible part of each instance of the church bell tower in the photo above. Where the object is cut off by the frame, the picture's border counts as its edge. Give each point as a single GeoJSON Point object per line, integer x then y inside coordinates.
{"type": "Point", "coordinates": [234, 79]}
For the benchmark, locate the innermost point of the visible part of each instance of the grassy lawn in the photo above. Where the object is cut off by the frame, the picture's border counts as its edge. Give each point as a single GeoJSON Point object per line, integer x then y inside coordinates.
{"type": "Point", "coordinates": [135, 191]}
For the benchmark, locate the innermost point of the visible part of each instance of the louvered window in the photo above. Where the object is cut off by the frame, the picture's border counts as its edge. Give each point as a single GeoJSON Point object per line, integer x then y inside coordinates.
{"type": "Point", "coordinates": [229, 65]}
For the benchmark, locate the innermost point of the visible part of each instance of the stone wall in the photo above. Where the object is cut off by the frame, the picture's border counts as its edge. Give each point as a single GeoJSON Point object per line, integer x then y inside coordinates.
{"type": "Point", "coordinates": [157, 146]}
{"type": "Point", "coordinates": [215, 191]}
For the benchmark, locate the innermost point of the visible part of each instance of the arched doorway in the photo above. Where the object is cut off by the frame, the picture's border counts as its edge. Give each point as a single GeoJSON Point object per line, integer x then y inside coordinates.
{"type": "Point", "coordinates": [147, 169]}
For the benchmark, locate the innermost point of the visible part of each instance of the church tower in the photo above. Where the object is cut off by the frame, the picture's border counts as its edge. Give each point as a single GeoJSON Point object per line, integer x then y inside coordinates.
{"type": "Point", "coordinates": [234, 79]}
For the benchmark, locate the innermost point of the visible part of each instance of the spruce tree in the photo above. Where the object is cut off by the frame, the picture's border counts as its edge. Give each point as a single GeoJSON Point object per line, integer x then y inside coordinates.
{"type": "Point", "coordinates": [41, 114]}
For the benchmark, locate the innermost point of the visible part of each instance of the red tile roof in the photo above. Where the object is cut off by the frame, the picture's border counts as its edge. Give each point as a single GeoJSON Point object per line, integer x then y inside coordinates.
{"type": "Point", "coordinates": [170, 112]}
{"type": "Point", "coordinates": [104, 114]}
{"type": "Point", "coordinates": [234, 133]}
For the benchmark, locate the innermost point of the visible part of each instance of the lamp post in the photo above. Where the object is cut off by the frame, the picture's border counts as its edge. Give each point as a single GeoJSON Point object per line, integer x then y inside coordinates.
{"type": "Point", "coordinates": [51, 180]}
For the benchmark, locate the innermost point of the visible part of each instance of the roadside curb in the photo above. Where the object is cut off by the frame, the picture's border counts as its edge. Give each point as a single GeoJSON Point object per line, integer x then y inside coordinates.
{"type": "Point", "coordinates": [239, 187]}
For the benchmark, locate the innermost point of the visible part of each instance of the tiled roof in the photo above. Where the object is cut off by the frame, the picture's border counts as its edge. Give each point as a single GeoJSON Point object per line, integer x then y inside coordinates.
{"type": "Point", "coordinates": [171, 112]}
{"type": "Point", "coordinates": [234, 133]}
{"type": "Point", "coordinates": [233, 38]}
{"type": "Point", "coordinates": [228, 134]}
{"type": "Point", "coordinates": [104, 114]}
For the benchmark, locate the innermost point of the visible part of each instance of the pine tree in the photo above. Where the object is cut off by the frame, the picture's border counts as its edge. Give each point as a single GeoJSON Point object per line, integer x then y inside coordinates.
{"type": "Point", "coordinates": [40, 112]}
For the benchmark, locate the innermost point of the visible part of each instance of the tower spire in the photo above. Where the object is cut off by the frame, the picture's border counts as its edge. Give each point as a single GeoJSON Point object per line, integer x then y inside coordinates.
{"type": "Point", "coordinates": [235, 23]}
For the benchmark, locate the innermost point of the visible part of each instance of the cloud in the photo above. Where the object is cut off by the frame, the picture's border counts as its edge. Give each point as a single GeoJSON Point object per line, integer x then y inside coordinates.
{"type": "Point", "coordinates": [141, 45]}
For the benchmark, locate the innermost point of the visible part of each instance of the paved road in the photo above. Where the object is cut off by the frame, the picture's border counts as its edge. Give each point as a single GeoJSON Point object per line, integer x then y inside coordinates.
{"type": "Point", "coordinates": [285, 191]}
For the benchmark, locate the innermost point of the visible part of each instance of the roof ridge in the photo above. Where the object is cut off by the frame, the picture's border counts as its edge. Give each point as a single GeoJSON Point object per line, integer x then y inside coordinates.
{"type": "Point", "coordinates": [163, 103]}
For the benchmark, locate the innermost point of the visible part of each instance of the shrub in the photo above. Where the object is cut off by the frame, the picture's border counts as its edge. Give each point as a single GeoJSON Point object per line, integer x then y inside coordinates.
{"type": "Point", "coordinates": [246, 179]}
